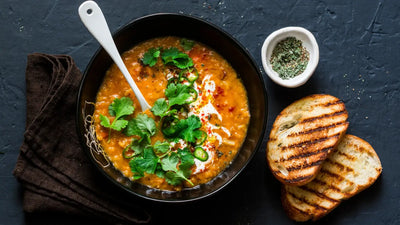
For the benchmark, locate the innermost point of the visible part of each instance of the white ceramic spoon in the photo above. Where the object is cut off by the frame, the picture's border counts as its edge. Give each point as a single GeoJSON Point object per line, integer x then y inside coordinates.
{"type": "Point", "coordinates": [93, 18]}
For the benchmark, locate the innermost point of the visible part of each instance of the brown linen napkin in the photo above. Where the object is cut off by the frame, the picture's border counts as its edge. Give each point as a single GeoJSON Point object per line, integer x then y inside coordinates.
{"type": "Point", "coordinates": [56, 174]}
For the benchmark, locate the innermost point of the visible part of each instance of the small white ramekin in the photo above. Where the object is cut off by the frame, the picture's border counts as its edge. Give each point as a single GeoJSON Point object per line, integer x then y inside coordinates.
{"type": "Point", "coordinates": [309, 43]}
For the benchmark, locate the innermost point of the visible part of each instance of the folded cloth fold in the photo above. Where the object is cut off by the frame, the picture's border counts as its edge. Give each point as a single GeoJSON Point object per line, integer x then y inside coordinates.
{"type": "Point", "coordinates": [56, 174]}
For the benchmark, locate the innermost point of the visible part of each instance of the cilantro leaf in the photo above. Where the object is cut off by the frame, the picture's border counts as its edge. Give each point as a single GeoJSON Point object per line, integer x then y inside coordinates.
{"type": "Point", "coordinates": [147, 163]}
{"type": "Point", "coordinates": [187, 44]}
{"type": "Point", "coordinates": [160, 107]}
{"type": "Point", "coordinates": [138, 146]}
{"type": "Point", "coordinates": [151, 56]}
{"type": "Point", "coordinates": [172, 56]}
{"type": "Point", "coordinates": [136, 169]}
{"type": "Point", "coordinates": [142, 126]}
{"type": "Point", "coordinates": [186, 129]}
{"type": "Point", "coordinates": [119, 108]}
{"type": "Point", "coordinates": [191, 124]}
{"type": "Point", "coordinates": [161, 147]}
{"type": "Point", "coordinates": [177, 94]}
{"type": "Point", "coordinates": [173, 178]}
{"type": "Point", "coordinates": [146, 124]}
{"type": "Point", "coordinates": [159, 171]}
{"type": "Point", "coordinates": [132, 129]}
{"type": "Point", "coordinates": [104, 121]}
{"type": "Point", "coordinates": [173, 175]}
{"type": "Point", "coordinates": [187, 159]}
{"type": "Point", "coordinates": [170, 163]}
{"type": "Point", "coordinates": [118, 125]}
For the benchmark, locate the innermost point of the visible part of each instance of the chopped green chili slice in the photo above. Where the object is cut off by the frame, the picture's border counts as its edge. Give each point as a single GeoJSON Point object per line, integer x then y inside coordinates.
{"type": "Point", "coordinates": [200, 154]}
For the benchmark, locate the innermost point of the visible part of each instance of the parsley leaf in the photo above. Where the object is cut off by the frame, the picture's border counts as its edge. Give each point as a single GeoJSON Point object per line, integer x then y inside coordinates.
{"type": "Point", "coordinates": [177, 94]}
{"type": "Point", "coordinates": [172, 56]}
{"type": "Point", "coordinates": [187, 44]}
{"type": "Point", "coordinates": [119, 108]}
{"type": "Point", "coordinates": [151, 56]}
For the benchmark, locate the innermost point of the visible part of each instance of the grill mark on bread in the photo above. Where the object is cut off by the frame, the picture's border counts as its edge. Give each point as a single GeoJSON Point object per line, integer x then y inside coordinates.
{"type": "Point", "coordinates": [304, 166]}
{"type": "Point", "coordinates": [304, 200]}
{"type": "Point", "coordinates": [310, 142]}
{"type": "Point", "coordinates": [337, 180]}
{"type": "Point", "coordinates": [341, 166]}
{"type": "Point", "coordinates": [338, 101]}
{"type": "Point", "coordinates": [272, 139]}
{"type": "Point", "coordinates": [305, 154]}
{"type": "Point", "coordinates": [349, 157]}
{"type": "Point", "coordinates": [303, 135]}
{"type": "Point", "coordinates": [332, 114]}
{"type": "Point", "coordinates": [321, 195]}
{"type": "Point", "coordinates": [297, 179]}
{"type": "Point", "coordinates": [336, 176]}
{"type": "Point", "coordinates": [330, 186]}
{"type": "Point", "coordinates": [359, 148]}
{"type": "Point", "coordinates": [317, 129]}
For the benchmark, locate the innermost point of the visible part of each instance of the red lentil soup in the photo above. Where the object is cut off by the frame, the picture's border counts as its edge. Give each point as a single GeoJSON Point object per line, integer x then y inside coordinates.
{"type": "Point", "coordinates": [216, 98]}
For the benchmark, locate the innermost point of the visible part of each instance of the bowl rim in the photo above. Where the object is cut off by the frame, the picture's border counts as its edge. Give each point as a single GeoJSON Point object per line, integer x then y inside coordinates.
{"type": "Point", "coordinates": [276, 36]}
{"type": "Point", "coordinates": [227, 35]}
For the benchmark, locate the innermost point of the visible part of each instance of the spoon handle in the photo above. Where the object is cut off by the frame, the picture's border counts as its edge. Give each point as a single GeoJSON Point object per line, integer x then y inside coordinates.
{"type": "Point", "coordinates": [93, 18]}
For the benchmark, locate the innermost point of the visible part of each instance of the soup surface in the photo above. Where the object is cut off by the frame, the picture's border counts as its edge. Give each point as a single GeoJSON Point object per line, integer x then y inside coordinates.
{"type": "Point", "coordinates": [197, 123]}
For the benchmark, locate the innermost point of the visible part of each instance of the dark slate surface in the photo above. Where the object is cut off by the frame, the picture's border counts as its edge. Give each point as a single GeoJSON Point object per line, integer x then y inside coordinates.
{"type": "Point", "coordinates": [359, 63]}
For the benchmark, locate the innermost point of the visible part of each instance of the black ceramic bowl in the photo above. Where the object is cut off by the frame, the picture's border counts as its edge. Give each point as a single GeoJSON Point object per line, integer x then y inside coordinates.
{"type": "Point", "coordinates": [192, 28]}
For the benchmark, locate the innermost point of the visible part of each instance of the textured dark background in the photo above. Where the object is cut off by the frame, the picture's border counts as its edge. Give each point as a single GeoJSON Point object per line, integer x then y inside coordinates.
{"type": "Point", "coordinates": [359, 63]}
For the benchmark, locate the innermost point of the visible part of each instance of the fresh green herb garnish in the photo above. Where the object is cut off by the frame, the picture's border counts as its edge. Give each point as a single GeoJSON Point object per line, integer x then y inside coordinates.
{"type": "Point", "coordinates": [173, 175]}
{"type": "Point", "coordinates": [177, 94]}
{"type": "Point", "coordinates": [138, 145]}
{"type": "Point", "coordinates": [119, 108]}
{"type": "Point", "coordinates": [161, 147]}
{"type": "Point", "coordinates": [174, 165]}
{"type": "Point", "coordinates": [186, 129]}
{"type": "Point", "coordinates": [171, 56]}
{"type": "Point", "coordinates": [174, 57]}
{"type": "Point", "coordinates": [142, 126]}
{"type": "Point", "coordinates": [146, 163]}
{"type": "Point", "coordinates": [160, 107]}
{"type": "Point", "coordinates": [151, 56]}
{"type": "Point", "coordinates": [187, 159]}
{"type": "Point", "coordinates": [186, 44]}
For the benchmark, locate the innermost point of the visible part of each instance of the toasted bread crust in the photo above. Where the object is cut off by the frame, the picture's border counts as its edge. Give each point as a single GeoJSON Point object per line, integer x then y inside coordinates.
{"type": "Point", "coordinates": [351, 169]}
{"type": "Point", "coordinates": [303, 135]}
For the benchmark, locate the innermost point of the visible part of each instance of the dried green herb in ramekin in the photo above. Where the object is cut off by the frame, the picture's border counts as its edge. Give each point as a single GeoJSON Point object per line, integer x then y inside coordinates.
{"type": "Point", "coordinates": [289, 58]}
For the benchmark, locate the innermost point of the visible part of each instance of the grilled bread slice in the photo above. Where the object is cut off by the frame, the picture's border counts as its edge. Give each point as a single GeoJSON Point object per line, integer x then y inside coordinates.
{"type": "Point", "coordinates": [352, 168]}
{"type": "Point", "coordinates": [303, 135]}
